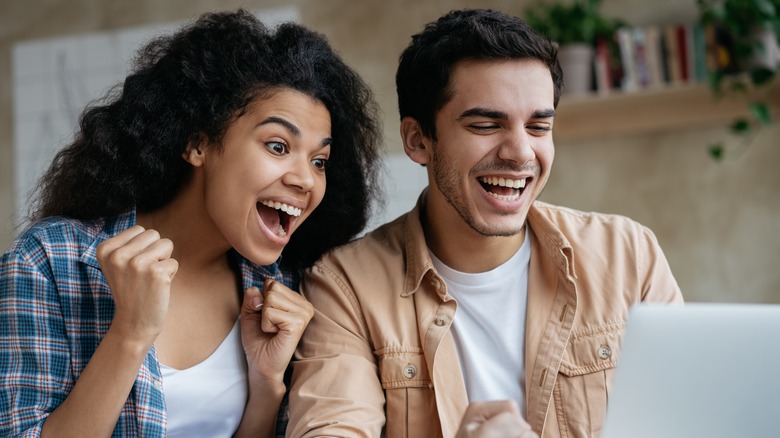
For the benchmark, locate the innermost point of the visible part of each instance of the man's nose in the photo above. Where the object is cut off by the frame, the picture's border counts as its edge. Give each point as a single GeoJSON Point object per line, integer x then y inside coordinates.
{"type": "Point", "coordinates": [516, 147]}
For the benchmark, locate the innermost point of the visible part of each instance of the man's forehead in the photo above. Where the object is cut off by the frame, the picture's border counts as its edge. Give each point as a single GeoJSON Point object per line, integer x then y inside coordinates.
{"type": "Point", "coordinates": [500, 85]}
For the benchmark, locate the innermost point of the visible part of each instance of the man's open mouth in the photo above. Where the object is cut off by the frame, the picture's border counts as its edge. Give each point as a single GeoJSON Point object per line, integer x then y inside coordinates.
{"type": "Point", "coordinates": [277, 216]}
{"type": "Point", "coordinates": [503, 188]}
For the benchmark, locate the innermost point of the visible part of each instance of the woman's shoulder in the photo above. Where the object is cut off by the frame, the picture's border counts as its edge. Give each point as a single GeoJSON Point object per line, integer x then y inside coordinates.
{"type": "Point", "coordinates": [57, 231]}
{"type": "Point", "coordinates": [67, 236]}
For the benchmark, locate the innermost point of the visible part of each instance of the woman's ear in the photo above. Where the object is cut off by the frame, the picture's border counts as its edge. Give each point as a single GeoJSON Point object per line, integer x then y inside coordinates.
{"type": "Point", "coordinates": [194, 152]}
{"type": "Point", "coordinates": [416, 144]}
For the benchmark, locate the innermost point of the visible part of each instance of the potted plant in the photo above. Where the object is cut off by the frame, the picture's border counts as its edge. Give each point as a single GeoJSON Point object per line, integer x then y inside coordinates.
{"type": "Point", "coordinates": [575, 27]}
{"type": "Point", "coordinates": [750, 31]}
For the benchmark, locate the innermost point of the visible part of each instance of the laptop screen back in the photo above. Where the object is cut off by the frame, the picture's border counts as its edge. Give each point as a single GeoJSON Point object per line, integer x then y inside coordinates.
{"type": "Point", "coordinates": [701, 370]}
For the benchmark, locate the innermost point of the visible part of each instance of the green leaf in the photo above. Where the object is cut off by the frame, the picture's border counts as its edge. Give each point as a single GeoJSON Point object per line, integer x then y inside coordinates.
{"type": "Point", "coordinates": [716, 151]}
{"type": "Point", "coordinates": [766, 7]}
{"type": "Point", "coordinates": [739, 86]}
{"type": "Point", "coordinates": [761, 75]}
{"type": "Point", "coordinates": [740, 127]}
{"type": "Point", "coordinates": [714, 80]}
{"type": "Point", "coordinates": [761, 112]}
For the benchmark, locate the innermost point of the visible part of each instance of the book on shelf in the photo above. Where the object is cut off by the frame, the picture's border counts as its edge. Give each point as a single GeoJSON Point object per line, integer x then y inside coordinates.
{"type": "Point", "coordinates": [657, 56]}
{"type": "Point", "coordinates": [672, 54]}
{"type": "Point", "coordinates": [653, 56]}
{"type": "Point", "coordinates": [627, 47]}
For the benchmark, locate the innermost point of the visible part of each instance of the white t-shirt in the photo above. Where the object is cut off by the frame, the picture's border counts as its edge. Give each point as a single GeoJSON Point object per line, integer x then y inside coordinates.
{"type": "Point", "coordinates": [208, 399]}
{"type": "Point", "coordinates": [489, 326]}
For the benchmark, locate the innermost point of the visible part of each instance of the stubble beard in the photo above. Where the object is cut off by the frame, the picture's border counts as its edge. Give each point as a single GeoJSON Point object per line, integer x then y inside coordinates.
{"type": "Point", "coordinates": [447, 179]}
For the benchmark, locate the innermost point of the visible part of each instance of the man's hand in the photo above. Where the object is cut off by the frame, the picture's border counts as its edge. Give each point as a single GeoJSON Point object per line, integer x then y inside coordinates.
{"type": "Point", "coordinates": [500, 419]}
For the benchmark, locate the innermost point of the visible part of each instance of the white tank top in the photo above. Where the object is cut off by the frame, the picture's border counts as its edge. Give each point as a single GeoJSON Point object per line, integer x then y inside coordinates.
{"type": "Point", "coordinates": [208, 399]}
{"type": "Point", "coordinates": [489, 326]}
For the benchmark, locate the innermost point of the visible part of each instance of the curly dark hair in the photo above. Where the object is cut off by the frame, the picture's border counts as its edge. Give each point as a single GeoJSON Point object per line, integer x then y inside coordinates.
{"type": "Point", "coordinates": [194, 83]}
{"type": "Point", "coordinates": [423, 75]}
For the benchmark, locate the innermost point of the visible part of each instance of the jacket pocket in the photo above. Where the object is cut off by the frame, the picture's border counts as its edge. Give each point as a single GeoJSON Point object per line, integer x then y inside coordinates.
{"type": "Point", "coordinates": [410, 405]}
{"type": "Point", "coordinates": [585, 376]}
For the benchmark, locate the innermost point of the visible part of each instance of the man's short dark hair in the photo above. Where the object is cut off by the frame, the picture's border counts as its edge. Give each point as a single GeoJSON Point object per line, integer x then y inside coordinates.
{"type": "Point", "coordinates": [425, 68]}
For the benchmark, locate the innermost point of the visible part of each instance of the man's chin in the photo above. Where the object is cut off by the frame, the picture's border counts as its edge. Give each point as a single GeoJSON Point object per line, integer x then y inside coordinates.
{"type": "Point", "coordinates": [494, 231]}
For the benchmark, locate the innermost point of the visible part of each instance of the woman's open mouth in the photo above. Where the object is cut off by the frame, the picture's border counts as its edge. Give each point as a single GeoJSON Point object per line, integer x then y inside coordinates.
{"type": "Point", "coordinates": [277, 216]}
{"type": "Point", "coordinates": [503, 188]}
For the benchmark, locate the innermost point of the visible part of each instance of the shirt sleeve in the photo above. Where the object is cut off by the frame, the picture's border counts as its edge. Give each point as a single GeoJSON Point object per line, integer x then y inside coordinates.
{"type": "Point", "coordinates": [335, 390]}
{"type": "Point", "coordinates": [659, 284]}
{"type": "Point", "coordinates": [34, 349]}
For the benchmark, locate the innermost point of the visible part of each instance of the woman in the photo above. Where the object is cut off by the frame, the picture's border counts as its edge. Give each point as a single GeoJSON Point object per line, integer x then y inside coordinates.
{"type": "Point", "coordinates": [148, 296]}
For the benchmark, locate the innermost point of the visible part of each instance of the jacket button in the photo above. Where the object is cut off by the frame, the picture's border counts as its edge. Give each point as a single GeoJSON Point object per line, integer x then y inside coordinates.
{"type": "Point", "coordinates": [441, 320]}
{"type": "Point", "coordinates": [410, 371]}
{"type": "Point", "coordinates": [604, 352]}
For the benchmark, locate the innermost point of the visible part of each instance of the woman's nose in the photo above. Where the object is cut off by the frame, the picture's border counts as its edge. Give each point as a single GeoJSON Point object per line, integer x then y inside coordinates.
{"type": "Point", "coordinates": [300, 174]}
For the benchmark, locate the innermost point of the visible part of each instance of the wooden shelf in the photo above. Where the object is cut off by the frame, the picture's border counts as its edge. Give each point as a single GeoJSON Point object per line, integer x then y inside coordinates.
{"type": "Point", "coordinates": [648, 111]}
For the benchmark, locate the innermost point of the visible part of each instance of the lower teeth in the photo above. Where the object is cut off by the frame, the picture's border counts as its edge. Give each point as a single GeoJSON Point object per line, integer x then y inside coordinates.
{"type": "Point", "coordinates": [506, 198]}
{"type": "Point", "coordinates": [281, 232]}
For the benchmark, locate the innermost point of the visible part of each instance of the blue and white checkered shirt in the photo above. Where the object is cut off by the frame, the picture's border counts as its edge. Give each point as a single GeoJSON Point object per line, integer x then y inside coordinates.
{"type": "Point", "coordinates": [55, 307]}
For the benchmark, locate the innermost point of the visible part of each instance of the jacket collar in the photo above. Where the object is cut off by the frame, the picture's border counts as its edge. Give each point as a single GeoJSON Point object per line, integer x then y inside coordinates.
{"type": "Point", "coordinates": [551, 238]}
{"type": "Point", "coordinates": [418, 260]}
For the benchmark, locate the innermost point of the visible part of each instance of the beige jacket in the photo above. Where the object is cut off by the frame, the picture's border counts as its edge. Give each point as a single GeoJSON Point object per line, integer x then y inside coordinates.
{"type": "Point", "coordinates": [378, 356]}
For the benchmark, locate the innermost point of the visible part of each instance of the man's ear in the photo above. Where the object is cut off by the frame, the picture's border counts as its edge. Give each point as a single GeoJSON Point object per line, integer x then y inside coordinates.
{"type": "Point", "coordinates": [194, 152]}
{"type": "Point", "coordinates": [416, 144]}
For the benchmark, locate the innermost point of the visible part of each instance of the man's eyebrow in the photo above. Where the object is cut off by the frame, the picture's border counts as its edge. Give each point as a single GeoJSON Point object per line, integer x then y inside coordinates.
{"type": "Point", "coordinates": [544, 114]}
{"type": "Point", "coordinates": [483, 112]}
{"type": "Point", "coordinates": [286, 123]}
{"type": "Point", "coordinates": [494, 114]}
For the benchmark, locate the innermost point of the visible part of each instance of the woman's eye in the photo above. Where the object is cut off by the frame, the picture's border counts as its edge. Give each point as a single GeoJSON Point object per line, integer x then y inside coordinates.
{"type": "Point", "coordinates": [276, 147]}
{"type": "Point", "coordinates": [319, 163]}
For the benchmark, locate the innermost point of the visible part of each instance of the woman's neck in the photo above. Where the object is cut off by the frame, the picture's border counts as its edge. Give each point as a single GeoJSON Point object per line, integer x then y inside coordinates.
{"type": "Point", "coordinates": [197, 243]}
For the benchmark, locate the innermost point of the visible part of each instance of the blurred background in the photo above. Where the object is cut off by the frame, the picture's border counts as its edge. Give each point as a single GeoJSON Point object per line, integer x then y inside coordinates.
{"type": "Point", "coordinates": [661, 150]}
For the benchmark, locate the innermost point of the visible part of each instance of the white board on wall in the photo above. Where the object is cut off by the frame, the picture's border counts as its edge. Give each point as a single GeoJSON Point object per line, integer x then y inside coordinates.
{"type": "Point", "coordinates": [53, 80]}
{"type": "Point", "coordinates": [402, 181]}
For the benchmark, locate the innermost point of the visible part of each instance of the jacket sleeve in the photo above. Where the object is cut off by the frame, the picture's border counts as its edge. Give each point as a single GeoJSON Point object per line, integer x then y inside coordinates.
{"type": "Point", "coordinates": [335, 389]}
{"type": "Point", "coordinates": [34, 349]}
{"type": "Point", "coordinates": [658, 284]}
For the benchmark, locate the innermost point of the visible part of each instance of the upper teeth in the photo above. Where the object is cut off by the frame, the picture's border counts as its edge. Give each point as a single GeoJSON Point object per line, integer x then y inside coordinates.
{"type": "Point", "coordinates": [289, 209]}
{"type": "Point", "coordinates": [503, 182]}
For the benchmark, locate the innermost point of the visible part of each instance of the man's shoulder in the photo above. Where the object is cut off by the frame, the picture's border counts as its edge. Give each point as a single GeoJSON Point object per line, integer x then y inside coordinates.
{"type": "Point", "coordinates": [384, 246]}
{"type": "Point", "coordinates": [566, 218]}
{"type": "Point", "coordinates": [372, 267]}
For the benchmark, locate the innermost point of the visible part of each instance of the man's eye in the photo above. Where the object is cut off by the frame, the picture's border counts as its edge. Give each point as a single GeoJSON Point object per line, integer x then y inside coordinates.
{"type": "Point", "coordinates": [319, 163]}
{"type": "Point", "coordinates": [484, 127]}
{"type": "Point", "coordinates": [540, 129]}
{"type": "Point", "coordinates": [276, 147]}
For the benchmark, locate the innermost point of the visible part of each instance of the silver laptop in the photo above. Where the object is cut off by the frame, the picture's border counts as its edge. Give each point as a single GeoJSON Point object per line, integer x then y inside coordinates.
{"type": "Point", "coordinates": [701, 370]}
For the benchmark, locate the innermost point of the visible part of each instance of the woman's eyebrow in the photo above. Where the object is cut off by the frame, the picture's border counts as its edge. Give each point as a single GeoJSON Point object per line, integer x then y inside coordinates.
{"type": "Point", "coordinates": [280, 121]}
{"type": "Point", "coordinates": [294, 130]}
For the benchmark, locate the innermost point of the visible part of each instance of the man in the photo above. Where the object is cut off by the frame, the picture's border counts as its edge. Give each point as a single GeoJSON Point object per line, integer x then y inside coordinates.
{"type": "Point", "coordinates": [480, 293]}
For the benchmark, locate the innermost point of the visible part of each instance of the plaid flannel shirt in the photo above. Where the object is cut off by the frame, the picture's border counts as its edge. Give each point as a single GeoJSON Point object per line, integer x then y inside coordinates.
{"type": "Point", "coordinates": [55, 307]}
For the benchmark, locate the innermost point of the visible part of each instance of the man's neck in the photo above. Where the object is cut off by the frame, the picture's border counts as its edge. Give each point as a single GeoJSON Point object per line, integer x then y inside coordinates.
{"type": "Point", "coordinates": [464, 249]}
